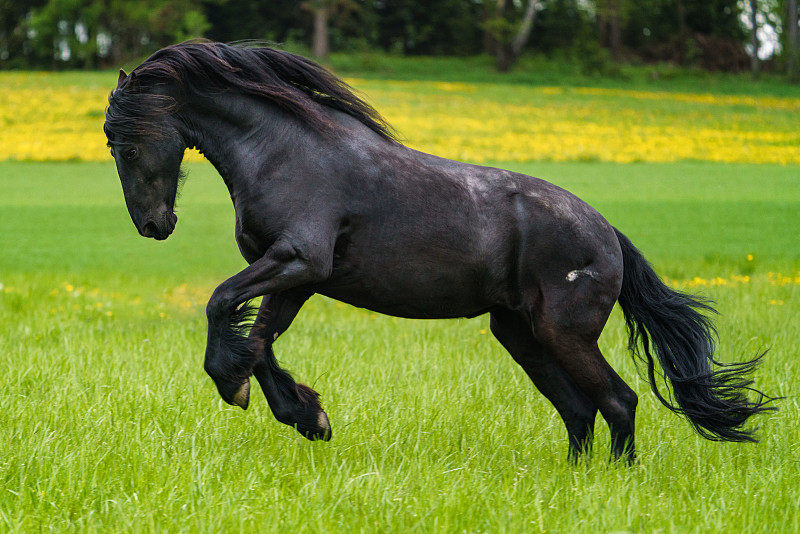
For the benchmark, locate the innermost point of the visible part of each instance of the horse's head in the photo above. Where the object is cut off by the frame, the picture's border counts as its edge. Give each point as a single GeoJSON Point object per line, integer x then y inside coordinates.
{"type": "Point", "coordinates": [148, 150]}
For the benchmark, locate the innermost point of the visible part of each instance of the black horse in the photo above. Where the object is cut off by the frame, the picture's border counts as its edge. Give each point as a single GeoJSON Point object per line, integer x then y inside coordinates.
{"type": "Point", "coordinates": [328, 201]}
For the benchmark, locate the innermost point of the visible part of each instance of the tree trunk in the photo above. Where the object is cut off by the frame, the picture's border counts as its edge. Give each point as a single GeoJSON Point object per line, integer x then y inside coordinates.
{"type": "Point", "coordinates": [508, 52]}
{"type": "Point", "coordinates": [500, 45]}
{"type": "Point", "coordinates": [791, 41]}
{"type": "Point", "coordinates": [320, 46]}
{"type": "Point", "coordinates": [755, 65]}
{"type": "Point", "coordinates": [489, 42]}
{"type": "Point", "coordinates": [525, 29]}
{"type": "Point", "coordinates": [614, 30]}
{"type": "Point", "coordinates": [683, 32]}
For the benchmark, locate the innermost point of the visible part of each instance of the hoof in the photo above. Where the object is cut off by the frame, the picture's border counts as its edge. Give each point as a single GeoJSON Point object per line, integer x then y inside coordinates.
{"type": "Point", "coordinates": [319, 429]}
{"type": "Point", "coordinates": [242, 396]}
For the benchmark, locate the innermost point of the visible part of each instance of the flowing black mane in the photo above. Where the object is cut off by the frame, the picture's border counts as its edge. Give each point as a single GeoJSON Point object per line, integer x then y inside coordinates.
{"type": "Point", "coordinates": [292, 82]}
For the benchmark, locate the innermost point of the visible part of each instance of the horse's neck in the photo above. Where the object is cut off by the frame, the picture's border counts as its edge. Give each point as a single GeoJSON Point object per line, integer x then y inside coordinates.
{"type": "Point", "coordinates": [238, 134]}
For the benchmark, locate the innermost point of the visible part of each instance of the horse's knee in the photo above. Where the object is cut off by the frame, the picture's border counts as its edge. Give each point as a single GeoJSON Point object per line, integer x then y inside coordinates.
{"type": "Point", "coordinates": [620, 411]}
{"type": "Point", "coordinates": [628, 401]}
{"type": "Point", "coordinates": [220, 305]}
{"type": "Point", "coordinates": [214, 307]}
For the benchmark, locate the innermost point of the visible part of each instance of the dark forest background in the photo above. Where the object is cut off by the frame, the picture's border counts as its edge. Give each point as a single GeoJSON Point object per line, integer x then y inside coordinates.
{"type": "Point", "coordinates": [708, 34]}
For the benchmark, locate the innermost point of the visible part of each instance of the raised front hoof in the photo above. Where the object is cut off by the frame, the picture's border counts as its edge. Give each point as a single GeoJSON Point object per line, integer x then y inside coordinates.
{"type": "Point", "coordinates": [315, 427]}
{"type": "Point", "coordinates": [235, 394]}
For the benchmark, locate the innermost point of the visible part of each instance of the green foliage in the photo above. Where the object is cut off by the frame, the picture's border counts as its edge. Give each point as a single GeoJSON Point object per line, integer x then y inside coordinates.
{"type": "Point", "coordinates": [449, 27]}
{"type": "Point", "coordinates": [560, 24]}
{"type": "Point", "coordinates": [57, 28]}
{"type": "Point", "coordinates": [93, 33]}
{"type": "Point", "coordinates": [501, 29]}
{"type": "Point", "coordinates": [593, 59]}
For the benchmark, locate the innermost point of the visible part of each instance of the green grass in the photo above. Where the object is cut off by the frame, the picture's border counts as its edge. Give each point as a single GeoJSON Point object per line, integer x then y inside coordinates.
{"type": "Point", "coordinates": [108, 422]}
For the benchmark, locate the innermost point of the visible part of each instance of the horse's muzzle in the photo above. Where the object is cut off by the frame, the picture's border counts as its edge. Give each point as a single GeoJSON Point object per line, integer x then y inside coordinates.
{"type": "Point", "coordinates": [160, 230]}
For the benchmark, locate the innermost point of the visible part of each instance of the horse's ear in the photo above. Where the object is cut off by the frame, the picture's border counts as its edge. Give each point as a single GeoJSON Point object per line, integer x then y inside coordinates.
{"type": "Point", "coordinates": [133, 81]}
{"type": "Point", "coordinates": [122, 77]}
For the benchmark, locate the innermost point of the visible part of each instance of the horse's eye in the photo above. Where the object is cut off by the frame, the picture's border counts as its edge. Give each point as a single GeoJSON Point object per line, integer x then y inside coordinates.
{"type": "Point", "coordinates": [130, 154]}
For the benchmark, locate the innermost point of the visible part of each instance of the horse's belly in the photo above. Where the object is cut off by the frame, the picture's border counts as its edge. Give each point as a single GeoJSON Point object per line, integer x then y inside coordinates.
{"type": "Point", "coordinates": [411, 309]}
{"type": "Point", "coordinates": [426, 299]}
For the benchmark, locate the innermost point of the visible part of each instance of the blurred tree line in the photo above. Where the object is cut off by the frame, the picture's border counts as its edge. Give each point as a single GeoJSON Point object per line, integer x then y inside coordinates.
{"type": "Point", "coordinates": [712, 34]}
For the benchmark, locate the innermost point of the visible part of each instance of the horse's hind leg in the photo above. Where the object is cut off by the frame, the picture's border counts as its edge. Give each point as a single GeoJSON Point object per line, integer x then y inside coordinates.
{"type": "Point", "coordinates": [616, 401]}
{"type": "Point", "coordinates": [293, 404]}
{"type": "Point", "coordinates": [569, 324]}
{"type": "Point", "coordinates": [574, 407]}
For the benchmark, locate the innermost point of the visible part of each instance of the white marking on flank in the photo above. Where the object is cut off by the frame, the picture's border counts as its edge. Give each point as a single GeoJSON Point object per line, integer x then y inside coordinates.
{"type": "Point", "coordinates": [573, 275]}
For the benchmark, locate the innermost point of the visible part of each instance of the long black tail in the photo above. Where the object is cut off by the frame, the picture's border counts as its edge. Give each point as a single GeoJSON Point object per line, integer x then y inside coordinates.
{"type": "Point", "coordinates": [711, 394]}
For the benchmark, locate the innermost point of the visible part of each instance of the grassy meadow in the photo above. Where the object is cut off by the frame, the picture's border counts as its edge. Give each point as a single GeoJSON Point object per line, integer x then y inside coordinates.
{"type": "Point", "coordinates": [108, 422]}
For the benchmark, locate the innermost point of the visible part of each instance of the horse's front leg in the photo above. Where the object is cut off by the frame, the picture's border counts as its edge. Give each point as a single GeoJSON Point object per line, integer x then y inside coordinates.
{"type": "Point", "coordinates": [230, 356]}
{"type": "Point", "coordinates": [294, 404]}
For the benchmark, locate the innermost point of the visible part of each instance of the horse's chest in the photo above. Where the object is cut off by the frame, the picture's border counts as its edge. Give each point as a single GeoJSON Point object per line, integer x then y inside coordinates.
{"type": "Point", "coordinates": [249, 245]}
{"type": "Point", "coordinates": [254, 233]}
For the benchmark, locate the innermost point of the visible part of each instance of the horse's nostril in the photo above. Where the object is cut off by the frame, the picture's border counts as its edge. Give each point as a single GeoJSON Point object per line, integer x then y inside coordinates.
{"type": "Point", "coordinates": [149, 229]}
